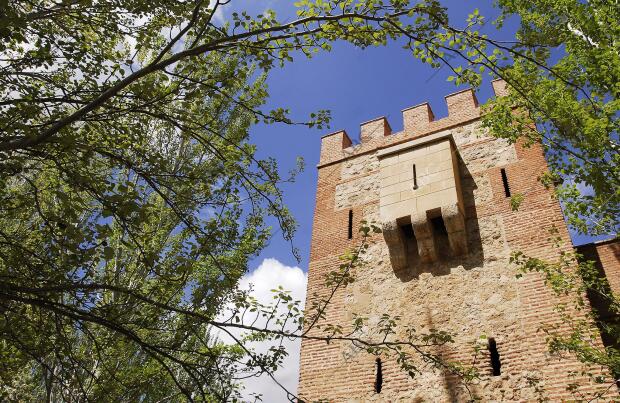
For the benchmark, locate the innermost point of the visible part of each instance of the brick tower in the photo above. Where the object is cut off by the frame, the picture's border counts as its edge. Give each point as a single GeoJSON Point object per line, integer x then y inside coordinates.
{"type": "Point", "coordinates": [440, 190]}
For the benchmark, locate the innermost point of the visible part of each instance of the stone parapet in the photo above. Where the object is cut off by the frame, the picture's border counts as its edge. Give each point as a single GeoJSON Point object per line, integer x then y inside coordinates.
{"type": "Point", "coordinates": [418, 121]}
{"type": "Point", "coordinates": [419, 181]}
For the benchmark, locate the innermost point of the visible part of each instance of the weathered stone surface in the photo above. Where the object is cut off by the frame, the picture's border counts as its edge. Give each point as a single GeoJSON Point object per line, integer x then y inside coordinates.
{"type": "Point", "coordinates": [455, 226]}
{"type": "Point", "coordinates": [395, 241]}
{"type": "Point", "coordinates": [479, 186]}
{"type": "Point", "coordinates": [357, 192]}
{"type": "Point", "coordinates": [371, 213]}
{"type": "Point", "coordinates": [493, 240]}
{"type": "Point", "coordinates": [485, 155]}
{"type": "Point", "coordinates": [469, 134]}
{"type": "Point", "coordinates": [359, 165]}
{"type": "Point", "coordinates": [466, 302]}
{"type": "Point", "coordinates": [423, 232]}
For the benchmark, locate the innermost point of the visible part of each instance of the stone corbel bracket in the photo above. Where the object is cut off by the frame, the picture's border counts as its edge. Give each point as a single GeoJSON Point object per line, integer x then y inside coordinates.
{"type": "Point", "coordinates": [454, 221]}
{"type": "Point", "coordinates": [424, 235]}
{"type": "Point", "coordinates": [394, 237]}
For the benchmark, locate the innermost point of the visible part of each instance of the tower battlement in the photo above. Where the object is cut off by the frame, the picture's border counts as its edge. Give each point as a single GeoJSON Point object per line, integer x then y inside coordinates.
{"type": "Point", "coordinates": [418, 120]}
{"type": "Point", "coordinates": [440, 189]}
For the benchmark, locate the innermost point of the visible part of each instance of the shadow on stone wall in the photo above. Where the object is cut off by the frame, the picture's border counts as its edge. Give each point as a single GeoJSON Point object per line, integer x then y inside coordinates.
{"type": "Point", "coordinates": [453, 385]}
{"type": "Point", "coordinates": [446, 262]}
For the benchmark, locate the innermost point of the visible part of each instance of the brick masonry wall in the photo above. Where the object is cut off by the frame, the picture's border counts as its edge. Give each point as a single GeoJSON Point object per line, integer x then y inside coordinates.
{"type": "Point", "coordinates": [606, 258]}
{"type": "Point", "coordinates": [469, 296]}
{"type": "Point", "coordinates": [607, 255]}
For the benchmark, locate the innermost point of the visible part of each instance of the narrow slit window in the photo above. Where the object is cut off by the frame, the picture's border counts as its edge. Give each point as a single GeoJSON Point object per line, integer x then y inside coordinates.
{"type": "Point", "coordinates": [496, 364]}
{"type": "Point", "coordinates": [505, 182]}
{"type": "Point", "coordinates": [378, 375]}
{"type": "Point", "coordinates": [350, 224]}
{"type": "Point", "coordinates": [415, 178]}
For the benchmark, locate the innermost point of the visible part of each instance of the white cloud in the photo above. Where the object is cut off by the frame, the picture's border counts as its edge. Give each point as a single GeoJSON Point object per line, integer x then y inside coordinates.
{"type": "Point", "coordinates": [218, 17]}
{"type": "Point", "coordinates": [270, 274]}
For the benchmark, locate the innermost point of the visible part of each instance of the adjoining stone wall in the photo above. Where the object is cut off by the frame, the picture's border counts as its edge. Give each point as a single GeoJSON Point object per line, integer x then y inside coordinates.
{"type": "Point", "coordinates": [607, 255]}
{"type": "Point", "coordinates": [606, 258]}
{"type": "Point", "coordinates": [470, 296]}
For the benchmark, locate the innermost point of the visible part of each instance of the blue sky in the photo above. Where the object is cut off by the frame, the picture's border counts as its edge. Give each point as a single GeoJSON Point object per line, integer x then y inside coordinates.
{"type": "Point", "coordinates": [356, 85]}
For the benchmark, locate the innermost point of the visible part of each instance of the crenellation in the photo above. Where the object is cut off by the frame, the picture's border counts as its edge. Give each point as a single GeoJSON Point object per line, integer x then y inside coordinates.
{"type": "Point", "coordinates": [499, 87]}
{"type": "Point", "coordinates": [375, 129]}
{"type": "Point", "coordinates": [418, 121]}
{"type": "Point", "coordinates": [332, 145]}
{"type": "Point", "coordinates": [462, 103]}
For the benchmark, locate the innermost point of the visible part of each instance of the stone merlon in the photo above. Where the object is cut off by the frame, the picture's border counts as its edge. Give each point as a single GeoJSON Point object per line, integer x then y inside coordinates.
{"type": "Point", "coordinates": [373, 129]}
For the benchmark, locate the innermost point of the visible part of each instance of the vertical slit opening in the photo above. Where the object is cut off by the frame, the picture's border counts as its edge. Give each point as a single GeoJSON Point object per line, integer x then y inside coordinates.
{"type": "Point", "coordinates": [496, 364]}
{"type": "Point", "coordinates": [350, 224]}
{"type": "Point", "coordinates": [378, 375]}
{"type": "Point", "coordinates": [505, 182]}
{"type": "Point", "coordinates": [415, 178]}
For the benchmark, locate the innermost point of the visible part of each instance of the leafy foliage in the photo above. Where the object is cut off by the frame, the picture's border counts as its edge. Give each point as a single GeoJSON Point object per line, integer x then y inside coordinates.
{"type": "Point", "coordinates": [563, 74]}
{"type": "Point", "coordinates": [131, 200]}
{"type": "Point", "coordinates": [585, 299]}
{"type": "Point", "coordinates": [111, 230]}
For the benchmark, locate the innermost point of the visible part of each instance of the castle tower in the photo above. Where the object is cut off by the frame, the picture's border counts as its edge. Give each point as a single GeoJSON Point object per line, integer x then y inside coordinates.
{"type": "Point", "coordinates": [440, 190]}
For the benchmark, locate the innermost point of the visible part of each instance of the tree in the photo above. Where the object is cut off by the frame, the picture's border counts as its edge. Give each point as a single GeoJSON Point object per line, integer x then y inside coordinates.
{"type": "Point", "coordinates": [563, 72]}
{"type": "Point", "coordinates": [132, 200]}
{"type": "Point", "coordinates": [586, 299]}
{"type": "Point", "coordinates": [105, 233]}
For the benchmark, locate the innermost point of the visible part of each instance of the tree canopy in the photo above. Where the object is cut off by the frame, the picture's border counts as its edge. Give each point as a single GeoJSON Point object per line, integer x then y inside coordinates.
{"type": "Point", "coordinates": [564, 81]}
{"type": "Point", "coordinates": [131, 198]}
{"type": "Point", "coordinates": [564, 73]}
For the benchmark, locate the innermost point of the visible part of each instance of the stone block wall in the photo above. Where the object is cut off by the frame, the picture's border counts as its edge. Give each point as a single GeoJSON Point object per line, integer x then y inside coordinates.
{"type": "Point", "coordinates": [470, 295]}
{"type": "Point", "coordinates": [435, 180]}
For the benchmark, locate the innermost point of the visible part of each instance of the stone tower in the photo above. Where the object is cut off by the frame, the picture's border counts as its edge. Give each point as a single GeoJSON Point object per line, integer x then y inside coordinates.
{"type": "Point", "coordinates": [441, 191]}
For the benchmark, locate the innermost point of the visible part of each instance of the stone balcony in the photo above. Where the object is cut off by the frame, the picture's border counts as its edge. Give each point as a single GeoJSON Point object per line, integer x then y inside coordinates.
{"type": "Point", "coordinates": [419, 182]}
